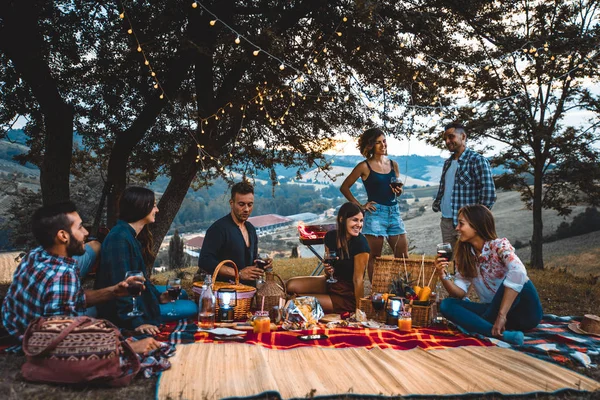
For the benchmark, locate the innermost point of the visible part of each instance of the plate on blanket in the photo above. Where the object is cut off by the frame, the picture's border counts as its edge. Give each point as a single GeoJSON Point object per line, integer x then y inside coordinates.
{"type": "Point", "coordinates": [224, 332]}
{"type": "Point", "coordinates": [378, 325]}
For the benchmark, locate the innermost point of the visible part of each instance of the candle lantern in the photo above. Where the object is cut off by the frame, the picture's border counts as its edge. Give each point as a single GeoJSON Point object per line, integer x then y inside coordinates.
{"type": "Point", "coordinates": [227, 299]}
{"type": "Point", "coordinates": [394, 307]}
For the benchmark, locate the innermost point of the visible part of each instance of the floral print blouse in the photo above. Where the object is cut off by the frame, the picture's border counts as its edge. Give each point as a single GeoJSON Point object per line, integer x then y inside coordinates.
{"type": "Point", "coordinates": [498, 264]}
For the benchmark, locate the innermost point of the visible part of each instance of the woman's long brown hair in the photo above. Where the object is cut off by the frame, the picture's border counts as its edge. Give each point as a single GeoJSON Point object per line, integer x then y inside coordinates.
{"type": "Point", "coordinates": [482, 221]}
{"type": "Point", "coordinates": [346, 211]}
{"type": "Point", "coordinates": [135, 204]}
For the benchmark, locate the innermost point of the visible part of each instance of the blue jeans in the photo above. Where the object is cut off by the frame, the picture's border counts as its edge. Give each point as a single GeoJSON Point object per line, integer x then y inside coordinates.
{"type": "Point", "coordinates": [384, 221]}
{"type": "Point", "coordinates": [524, 314]}
{"type": "Point", "coordinates": [184, 308]}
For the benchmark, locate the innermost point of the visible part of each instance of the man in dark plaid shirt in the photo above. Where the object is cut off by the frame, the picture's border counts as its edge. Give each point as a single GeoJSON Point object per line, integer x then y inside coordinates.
{"type": "Point", "coordinates": [46, 282]}
{"type": "Point", "coordinates": [466, 179]}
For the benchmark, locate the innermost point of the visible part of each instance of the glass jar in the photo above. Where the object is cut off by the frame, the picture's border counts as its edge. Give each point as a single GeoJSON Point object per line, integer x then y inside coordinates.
{"type": "Point", "coordinates": [405, 321]}
{"type": "Point", "coordinates": [261, 322]}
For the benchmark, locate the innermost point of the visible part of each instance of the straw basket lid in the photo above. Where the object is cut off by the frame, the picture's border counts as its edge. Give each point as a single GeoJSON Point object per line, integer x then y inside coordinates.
{"type": "Point", "coordinates": [589, 325]}
{"type": "Point", "coordinates": [239, 287]}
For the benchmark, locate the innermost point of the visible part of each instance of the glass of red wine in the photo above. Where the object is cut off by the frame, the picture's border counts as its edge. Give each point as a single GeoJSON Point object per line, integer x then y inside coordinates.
{"type": "Point", "coordinates": [174, 290]}
{"type": "Point", "coordinates": [378, 302]}
{"type": "Point", "coordinates": [262, 260]}
{"type": "Point", "coordinates": [444, 250]}
{"type": "Point", "coordinates": [134, 289]}
{"type": "Point", "coordinates": [395, 183]}
{"type": "Point", "coordinates": [330, 258]}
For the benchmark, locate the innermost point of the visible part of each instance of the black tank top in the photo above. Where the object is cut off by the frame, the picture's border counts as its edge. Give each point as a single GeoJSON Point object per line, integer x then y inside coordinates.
{"type": "Point", "coordinates": [378, 186]}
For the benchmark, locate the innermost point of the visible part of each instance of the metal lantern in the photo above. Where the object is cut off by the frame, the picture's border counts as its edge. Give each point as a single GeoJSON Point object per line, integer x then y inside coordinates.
{"type": "Point", "coordinates": [227, 299]}
{"type": "Point", "coordinates": [394, 307]}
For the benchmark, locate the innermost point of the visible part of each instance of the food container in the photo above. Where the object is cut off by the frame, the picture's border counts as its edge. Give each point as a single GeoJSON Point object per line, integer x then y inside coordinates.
{"type": "Point", "coordinates": [261, 322]}
{"type": "Point", "coordinates": [405, 321]}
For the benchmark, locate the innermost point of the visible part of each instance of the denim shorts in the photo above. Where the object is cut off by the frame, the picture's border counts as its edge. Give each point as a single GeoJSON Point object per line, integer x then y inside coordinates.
{"type": "Point", "coordinates": [384, 221]}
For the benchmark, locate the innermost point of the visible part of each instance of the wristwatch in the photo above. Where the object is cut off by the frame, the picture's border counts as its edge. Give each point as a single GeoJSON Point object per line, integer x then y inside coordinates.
{"type": "Point", "coordinates": [447, 277]}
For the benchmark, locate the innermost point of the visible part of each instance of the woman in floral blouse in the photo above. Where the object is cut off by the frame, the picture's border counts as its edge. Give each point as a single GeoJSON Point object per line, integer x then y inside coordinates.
{"type": "Point", "coordinates": [509, 302]}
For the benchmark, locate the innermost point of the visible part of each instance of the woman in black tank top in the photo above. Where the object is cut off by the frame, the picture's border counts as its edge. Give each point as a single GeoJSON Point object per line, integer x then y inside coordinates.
{"type": "Point", "coordinates": [382, 214]}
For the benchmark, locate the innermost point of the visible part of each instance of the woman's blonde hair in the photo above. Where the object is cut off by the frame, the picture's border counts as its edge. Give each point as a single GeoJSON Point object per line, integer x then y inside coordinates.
{"type": "Point", "coordinates": [482, 221]}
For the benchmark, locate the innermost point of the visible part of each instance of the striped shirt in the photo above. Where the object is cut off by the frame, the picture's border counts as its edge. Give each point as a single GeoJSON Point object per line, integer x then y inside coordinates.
{"type": "Point", "coordinates": [473, 183]}
{"type": "Point", "coordinates": [42, 285]}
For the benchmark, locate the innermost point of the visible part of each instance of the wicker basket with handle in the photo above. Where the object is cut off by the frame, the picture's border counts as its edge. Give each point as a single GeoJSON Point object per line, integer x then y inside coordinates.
{"type": "Point", "coordinates": [271, 291]}
{"type": "Point", "coordinates": [388, 269]}
{"type": "Point", "coordinates": [244, 293]}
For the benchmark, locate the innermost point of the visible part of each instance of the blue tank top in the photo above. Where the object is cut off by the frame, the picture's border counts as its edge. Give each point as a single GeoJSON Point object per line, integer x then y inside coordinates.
{"type": "Point", "coordinates": [378, 186]}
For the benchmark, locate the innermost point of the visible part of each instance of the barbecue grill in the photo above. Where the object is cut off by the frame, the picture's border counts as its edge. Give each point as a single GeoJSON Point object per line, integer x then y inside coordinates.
{"type": "Point", "coordinates": [313, 235]}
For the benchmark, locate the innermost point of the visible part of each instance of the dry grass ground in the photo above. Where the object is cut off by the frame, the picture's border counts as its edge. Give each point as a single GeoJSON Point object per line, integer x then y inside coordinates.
{"type": "Point", "coordinates": [561, 293]}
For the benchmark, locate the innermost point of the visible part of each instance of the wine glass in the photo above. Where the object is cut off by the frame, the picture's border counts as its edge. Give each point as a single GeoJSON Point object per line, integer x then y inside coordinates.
{"type": "Point", "coordinates": [444, 250]}
{"type": "Point", "coordinates": [134, 289]}
{"type": "Point", "coordinates": [174, 290]}
{"type": "Point", "coordinates": [395, 183]}
{"type": "Point", "coordinates": [330, 258]}
{"type": "Point", "coordinates": [378, 302]}
{"type": "Point", "coordinates": [262, 260]}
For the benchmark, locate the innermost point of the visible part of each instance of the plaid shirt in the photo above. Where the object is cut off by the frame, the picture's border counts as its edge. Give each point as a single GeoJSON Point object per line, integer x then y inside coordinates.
{"type": "Point", "coordinates": [43, 285]}
{"type": "Point", "coordinates": [473, 183]}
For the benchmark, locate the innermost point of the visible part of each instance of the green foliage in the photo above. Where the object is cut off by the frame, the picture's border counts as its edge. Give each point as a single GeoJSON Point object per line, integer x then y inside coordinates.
{"type": "Point", "coordinates": [176, 253]}
{"type": "Point", "coordinates": [586, 222]}
{"type": "Point", "coordinates": [523, 67]}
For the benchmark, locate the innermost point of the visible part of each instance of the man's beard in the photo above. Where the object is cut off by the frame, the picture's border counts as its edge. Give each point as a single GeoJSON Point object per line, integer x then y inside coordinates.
{"type": "Point", "coordinates": [75, 247]}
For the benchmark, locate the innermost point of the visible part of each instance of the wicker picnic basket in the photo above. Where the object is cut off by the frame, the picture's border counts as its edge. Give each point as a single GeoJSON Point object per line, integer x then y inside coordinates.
{"type": "Point", "coordinates": [421, 314]}
{"type": "Point", "coordinates": [244, 293]}
{"type": "Point", "coordinates": [387, 269]}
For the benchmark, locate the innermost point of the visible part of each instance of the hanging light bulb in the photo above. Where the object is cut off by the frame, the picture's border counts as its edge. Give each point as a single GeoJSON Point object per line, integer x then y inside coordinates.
{"type": "Point", "coordinates": [282, 67]}
{"type": "Point", "coordinates": [255, 52]}
{"type": "Point", "coordinates": [213, 22]}
{"type": "Point", "coordinates": [122, 15]}
{"type": "Point", "coordinates": [237, 40]}
{"type": "Point", "coordinates": [130, 31]}
{"type": "Point", "coordinates": [194, 5]}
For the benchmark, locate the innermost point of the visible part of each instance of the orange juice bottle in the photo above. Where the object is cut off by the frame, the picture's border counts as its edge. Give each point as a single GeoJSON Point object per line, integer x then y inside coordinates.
{"type": "Point", "coordinates": [261, 322]}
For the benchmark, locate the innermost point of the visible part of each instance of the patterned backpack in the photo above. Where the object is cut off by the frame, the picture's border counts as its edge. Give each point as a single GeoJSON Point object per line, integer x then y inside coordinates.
{"type": "Point", "coordinates": [63, 349]}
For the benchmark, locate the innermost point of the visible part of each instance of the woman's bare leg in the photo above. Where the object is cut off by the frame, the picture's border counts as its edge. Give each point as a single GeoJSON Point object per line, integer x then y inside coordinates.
{"type": "Point", "coordinates": [376, 245]}
{"type": "Point", "coordinates": [311, 286]}
{"type": "Point", "coordinates": [302, 285]}
{"type": "Point", "coordinates": [399, 245]}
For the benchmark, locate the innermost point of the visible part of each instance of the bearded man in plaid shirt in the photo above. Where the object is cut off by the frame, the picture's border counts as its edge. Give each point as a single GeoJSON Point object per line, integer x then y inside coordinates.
{"type": "Point", "coordinates": [46, 282]}
{"type": "Point", "coordinates": [466, 179]}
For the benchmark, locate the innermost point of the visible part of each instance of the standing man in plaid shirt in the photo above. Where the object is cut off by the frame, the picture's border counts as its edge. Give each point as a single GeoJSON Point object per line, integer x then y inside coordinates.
{"type": "Point", "coordinates": [46, 282]}
{"type": "Point", "coordinates": [466, 179]}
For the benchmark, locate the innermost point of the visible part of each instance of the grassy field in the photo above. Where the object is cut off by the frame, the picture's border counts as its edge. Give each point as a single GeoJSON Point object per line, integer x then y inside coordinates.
{"type": "Point", "coordinates": [561, 293]}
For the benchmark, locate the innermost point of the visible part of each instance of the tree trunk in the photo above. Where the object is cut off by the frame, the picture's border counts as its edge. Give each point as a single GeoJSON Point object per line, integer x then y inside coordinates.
{"type": "Point", "coordinates": [127, 140]}
{"type": "Point", "coordinates": [537, 238]}
{"type": "Point", "coordinates": [170, 202]}
{"type": "Point", "coordinates": [21, 41]}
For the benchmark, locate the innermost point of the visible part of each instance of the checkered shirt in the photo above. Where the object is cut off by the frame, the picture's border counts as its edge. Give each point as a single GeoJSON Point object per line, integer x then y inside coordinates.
{"type": "Point", "coordinates": [43, 285]}
{"type": "Point", "coordinates": [473, 183]}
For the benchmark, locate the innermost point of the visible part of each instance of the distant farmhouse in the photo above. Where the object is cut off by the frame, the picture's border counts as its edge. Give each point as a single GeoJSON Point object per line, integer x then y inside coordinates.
{"type": "Point", "coordinates": [269, 223]}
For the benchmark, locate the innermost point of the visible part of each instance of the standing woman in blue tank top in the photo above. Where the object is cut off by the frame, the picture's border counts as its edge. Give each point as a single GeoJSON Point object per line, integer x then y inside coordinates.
{"type": "Point", "coordinates": [382, 214]}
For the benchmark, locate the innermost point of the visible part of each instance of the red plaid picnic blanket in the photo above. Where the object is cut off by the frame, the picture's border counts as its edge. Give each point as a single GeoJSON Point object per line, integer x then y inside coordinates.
{"type": "Point", "coordinates": [425, 338]}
